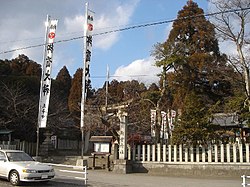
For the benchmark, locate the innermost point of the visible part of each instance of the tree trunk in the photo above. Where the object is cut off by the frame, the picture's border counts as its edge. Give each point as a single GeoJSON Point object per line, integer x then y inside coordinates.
{"type": "Point", "coordinates": [245, 75]}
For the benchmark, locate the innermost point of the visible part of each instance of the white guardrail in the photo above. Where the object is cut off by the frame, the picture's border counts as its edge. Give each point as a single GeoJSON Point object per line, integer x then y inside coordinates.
{"type": "Point", "coordinates": [244, 180]}
{"type": "Point", "coordinates": [83, 168]}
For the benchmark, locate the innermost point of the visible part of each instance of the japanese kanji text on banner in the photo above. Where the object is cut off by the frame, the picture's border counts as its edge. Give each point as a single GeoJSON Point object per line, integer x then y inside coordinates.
{"type": "Point", "coordinates": [46, 73]}
{"type": "Point", "coordinates": [88, 31]}
{"type": "Point", "coordinates": [153, 122]}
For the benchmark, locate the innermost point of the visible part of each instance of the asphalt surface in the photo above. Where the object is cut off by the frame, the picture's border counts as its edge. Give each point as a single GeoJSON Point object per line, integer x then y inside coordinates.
{"type": "Point", "coordinates": [103, 178]}
{"type": "Point", "coordinates": [109, 179]}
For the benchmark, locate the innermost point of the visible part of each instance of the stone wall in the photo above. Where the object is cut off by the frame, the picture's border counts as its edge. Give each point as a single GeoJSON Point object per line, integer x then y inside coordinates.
{"type": "Point", "coordinates": [193, 169]}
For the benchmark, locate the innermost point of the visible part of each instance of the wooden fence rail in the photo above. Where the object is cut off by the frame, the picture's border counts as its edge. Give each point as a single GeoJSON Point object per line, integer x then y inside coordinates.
{"type": "Point", "coordinates": [28, 147]}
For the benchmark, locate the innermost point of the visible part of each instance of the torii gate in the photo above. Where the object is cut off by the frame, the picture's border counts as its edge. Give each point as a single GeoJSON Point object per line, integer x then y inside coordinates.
{"type": "Point", "coordinates": [123, 117]}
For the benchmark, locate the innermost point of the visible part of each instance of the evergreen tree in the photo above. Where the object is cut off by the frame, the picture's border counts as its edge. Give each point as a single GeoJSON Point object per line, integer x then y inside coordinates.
{"type": "Point", "coordinates": [75, 92]}
{"type": "Point", "coordinates": [63, 79]}
{"type": "Point", "coordinates": [200, 71]}
{"type": "Point", "coordinates": [195, 127]}
{"type": "Point", "coordinates": [75, 95]}
{"type": "Point", "coordinates": [5, 69]}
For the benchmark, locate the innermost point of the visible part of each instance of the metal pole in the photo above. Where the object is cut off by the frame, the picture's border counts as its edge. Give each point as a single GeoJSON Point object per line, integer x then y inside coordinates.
{"type": "Point", "coordinates": [106, 99]}
{"type": "Point", "coordinates": [83, 81]}
{"type": "Point", "coordinates": [45, 49]}
{"type": "Point", "coordinates": [37, 141]}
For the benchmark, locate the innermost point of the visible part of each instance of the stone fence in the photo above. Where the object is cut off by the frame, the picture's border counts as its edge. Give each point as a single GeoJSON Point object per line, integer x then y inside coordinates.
{"type": "Point", "coordinates": [228, 153]}
{"type": "Point", "coordinates": [225, 160]}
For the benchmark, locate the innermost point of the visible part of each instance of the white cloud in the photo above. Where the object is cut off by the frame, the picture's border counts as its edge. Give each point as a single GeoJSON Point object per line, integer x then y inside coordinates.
{"type": "Point", "coordinates": [142, 70]}
{"type": "Point", "coordinates": [26, 28]}
{"type": "Point", "coordinates": [228, 48]}
{"type": "Point", "coordinates": [74, 24]}
{"type": "Point", "coordinates": [105, 42]}
{"type": "Point", "coordinates": [27, 22]}
{"type": "Point", "coordinates": [106, 20]}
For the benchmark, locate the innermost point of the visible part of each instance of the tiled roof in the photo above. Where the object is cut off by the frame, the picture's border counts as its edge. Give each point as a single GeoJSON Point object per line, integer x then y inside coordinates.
{"type": "Point", "coordinates": [101, 138]}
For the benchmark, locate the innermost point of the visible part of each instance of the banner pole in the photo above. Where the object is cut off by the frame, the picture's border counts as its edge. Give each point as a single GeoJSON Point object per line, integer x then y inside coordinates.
{"type": "Point", "coordinates": [45, 44]}
{"type": "Point", "coordinates": [83, 80]}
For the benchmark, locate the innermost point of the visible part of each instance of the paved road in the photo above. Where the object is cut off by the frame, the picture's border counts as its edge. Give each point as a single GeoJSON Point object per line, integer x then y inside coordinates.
{"type": "Point", "coordinates": [104, 179]}
{"type": "Point", "coordinates": [101, 178]}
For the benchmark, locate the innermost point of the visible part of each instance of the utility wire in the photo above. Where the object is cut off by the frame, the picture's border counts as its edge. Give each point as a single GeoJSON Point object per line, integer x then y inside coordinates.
{"type": "Point", "coordinates": [120, 76]}
{"type": "Point", "coordinates": [132, 27]}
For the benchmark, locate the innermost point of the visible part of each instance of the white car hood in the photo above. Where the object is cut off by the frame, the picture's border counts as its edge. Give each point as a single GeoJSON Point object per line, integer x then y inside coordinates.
{"type": "Point", "coordinates": [32, 165]}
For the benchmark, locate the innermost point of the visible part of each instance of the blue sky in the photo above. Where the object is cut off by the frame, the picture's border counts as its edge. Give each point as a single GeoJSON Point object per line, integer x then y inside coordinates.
{"type": "Point", "coordinates": [127, 53]}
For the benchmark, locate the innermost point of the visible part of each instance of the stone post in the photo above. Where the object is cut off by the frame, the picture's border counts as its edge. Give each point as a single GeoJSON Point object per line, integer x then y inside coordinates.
{"type": "Point", "coordinates": [197, 153]}
{"type": "Point", "coordinates": [216, 153]}
{"type": "Point", "coordinates": [247, 153]}
{"type": "Point", "coordinates": [192, 154]}
{"type": "Point", "coordinates": [46, 145]}
{"type": "Point", "coordinates": [122, 164]}
{"type": "Point", "coordinates": [158, 152]}
{"type": "Point", "coordinates": [209, 153]}
{"type": "Point", "coordinates": [153, 153]}
{"type": "Point", "coordinates": [222, 152]}
{"type": "Point", "coordinates": [143, 152]}
{"type": "Point", "coordinates": [169, 153]}
{"type": "Point", "coordinates": [203, 154]}
{"type": "Point", "coordinates": [164, 153]}
{"type": "Point", "coordinates": [180, 153]}
{"type": "Point", "coordinates": [148, 152]}
{"type": "Point", "coordinates": [175, 153]}
{"type": "Point", "coordinates": [186, 154]}
{"type": "Point", "coordinates": [228, 152]}
{"type": "Point", "coordinates": [123, 135]}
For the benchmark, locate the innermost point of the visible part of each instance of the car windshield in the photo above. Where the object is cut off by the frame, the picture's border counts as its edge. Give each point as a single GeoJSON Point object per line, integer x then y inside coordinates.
{"type": "Point", "coordinates": [18, 156]}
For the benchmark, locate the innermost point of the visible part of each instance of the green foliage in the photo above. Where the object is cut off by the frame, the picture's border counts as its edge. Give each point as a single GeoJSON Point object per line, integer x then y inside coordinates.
{"type": "Point", "coordinates": [199, 79]}
{"type": "Point", "coordinates": [19, 98]}
{"type": "Point", "coordinates": [194, 125]}
{"type": "Point", "coordinates": [4, 68]}
{"type": "Point", "coordinates": [195, 80]}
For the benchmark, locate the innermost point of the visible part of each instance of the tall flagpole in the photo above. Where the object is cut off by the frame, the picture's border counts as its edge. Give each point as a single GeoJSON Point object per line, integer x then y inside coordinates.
{"type": "Point", "coordinates": [87, 48]}
{"type": "Point", "coordinates": [106, 97]}
{"type": "Point", "coordinates": [107, 82]}
{"type": "Point", "coordinates": [83, 80]}
{"type": "Point", "coordinates": [45, 48]}
{"type": "Point", "coordinates": [84, 90]}
{"type": "Point", "coordinates": [46, 76]}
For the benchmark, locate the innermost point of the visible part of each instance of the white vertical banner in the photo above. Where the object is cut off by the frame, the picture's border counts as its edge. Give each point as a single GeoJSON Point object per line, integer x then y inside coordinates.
{"type": "Point", "coordinates": [88, 44]}
{"type": "Point", "coordinates": [46, 72]}
{"type": "Point", "coordinates": [169, 122]}
{"type": "Point", "coordinates": [173, 115]}
{"type": "Point", "coordinates": [87, 50]}
{"type": "Point", "coordinates": [171, 119]}
{"type": "Point", "coordinates": [164, 133]}
{"type": "Point", "coordinates": [153, 122]}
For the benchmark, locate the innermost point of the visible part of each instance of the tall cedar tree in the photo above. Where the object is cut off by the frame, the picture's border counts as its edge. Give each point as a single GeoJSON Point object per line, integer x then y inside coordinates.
{"type": "Point", "coordinates": [75, 95]}
{"type": "Point", "coordinates": [58, 118]}
{"type": "Point", "coordinates": [199, 69]}
{"type": "Point", "coordinates": [64, 80]}
{"type": "Point", "coordinates": [75, 92]}
{"type": "Point", "coordinates": [197, 60]}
